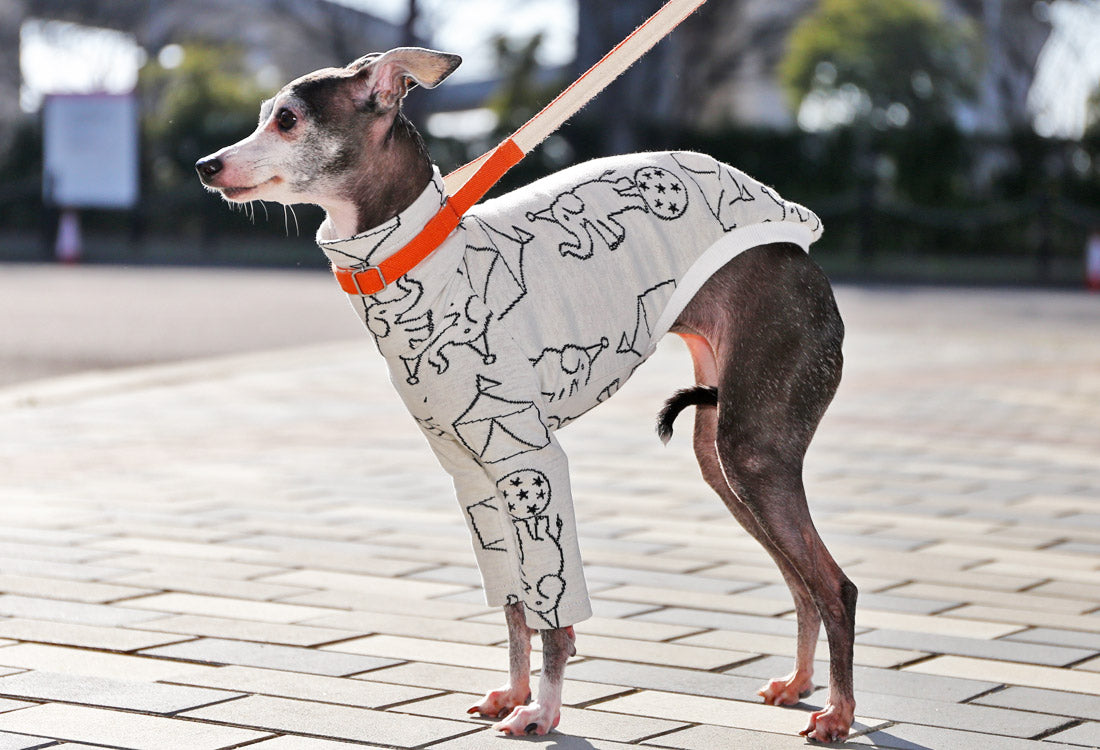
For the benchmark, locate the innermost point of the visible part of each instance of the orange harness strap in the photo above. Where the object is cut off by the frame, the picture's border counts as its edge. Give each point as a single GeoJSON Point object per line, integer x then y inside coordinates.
{"type": "Point", "coordinates": [374, 279]}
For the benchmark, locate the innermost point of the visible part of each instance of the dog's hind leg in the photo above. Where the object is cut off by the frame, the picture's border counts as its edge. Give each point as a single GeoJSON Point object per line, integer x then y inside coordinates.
{"type": "Point", "coordinates": [783, 691]}
{"type": "Point", "coordinates": [774, 336]}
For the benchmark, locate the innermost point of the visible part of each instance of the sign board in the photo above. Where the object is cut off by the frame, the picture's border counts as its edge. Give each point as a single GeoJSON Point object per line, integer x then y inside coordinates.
{"type": "Point", "coordinates": [91, 151]}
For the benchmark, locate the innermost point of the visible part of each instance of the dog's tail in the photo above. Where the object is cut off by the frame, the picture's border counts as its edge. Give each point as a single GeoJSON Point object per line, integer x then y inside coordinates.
{"type": "Point", "coordinates": [700, 395]}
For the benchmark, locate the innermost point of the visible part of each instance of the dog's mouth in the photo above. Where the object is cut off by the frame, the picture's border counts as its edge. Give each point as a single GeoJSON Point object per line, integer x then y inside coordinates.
{"type": "Point", "coordinates": [236, 193]}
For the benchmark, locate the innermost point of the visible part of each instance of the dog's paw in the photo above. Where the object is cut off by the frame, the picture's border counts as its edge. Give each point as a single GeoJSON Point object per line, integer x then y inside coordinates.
{"type": "Point", "coordinates": [497, 704]}
{"type": "Point", "coordinates": [830, 724]}
{"type": "Point", "coordinates": [786, 691]}
{"type": "Point", "coordinates": [532, 719]}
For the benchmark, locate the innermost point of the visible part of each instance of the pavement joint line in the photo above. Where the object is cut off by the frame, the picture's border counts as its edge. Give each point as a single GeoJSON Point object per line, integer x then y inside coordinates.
{"type": "Point", "coordinates": [991, 691]}
{"type": "Point", "coordinates": [1082, 660]}
{"type": "Point", "coordinates": [1055, 730]}
{"type": "Point", "coordinates": [397, 704]}
{"type": "Point", "coordinates": [673, 730]}
{"type": "Point", "coordinates": [400, 663]}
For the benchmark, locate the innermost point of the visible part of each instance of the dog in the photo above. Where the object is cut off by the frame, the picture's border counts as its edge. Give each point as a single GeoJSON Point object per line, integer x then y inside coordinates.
{"type": "Point", "coordinates": [537, 308]}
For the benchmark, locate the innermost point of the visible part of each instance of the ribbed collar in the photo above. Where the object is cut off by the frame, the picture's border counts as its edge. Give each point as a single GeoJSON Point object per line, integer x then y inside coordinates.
{"type": "Point", "coordinates": [375, 245]}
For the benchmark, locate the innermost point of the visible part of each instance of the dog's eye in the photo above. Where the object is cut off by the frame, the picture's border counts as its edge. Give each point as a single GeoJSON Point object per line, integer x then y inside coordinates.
{"type": "Point", "coordinates": [286, 119]}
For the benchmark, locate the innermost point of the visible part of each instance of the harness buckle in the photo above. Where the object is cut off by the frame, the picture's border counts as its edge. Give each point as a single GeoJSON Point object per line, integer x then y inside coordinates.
{"type": "Point", "coordinates": [359, 287]}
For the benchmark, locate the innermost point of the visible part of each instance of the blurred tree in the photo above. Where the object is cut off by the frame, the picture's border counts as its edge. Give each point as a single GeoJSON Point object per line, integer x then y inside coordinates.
{"type": "Point", "coordinates": [883, 62]}
{"type": "Point", "coordinates": [520, 94]}
{"type": "Point", "coordinates": [193, 108]}
{"type": "Point", "coordinates": [1092, 112]}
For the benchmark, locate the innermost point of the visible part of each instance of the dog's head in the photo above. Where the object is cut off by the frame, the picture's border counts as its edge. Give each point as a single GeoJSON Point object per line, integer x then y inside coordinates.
{"type": "Point", "coordinates": [316, 135]}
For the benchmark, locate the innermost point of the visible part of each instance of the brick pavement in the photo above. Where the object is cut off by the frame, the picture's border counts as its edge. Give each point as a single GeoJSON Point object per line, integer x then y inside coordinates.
{"type": "Point", "coordinates": [260, 551]}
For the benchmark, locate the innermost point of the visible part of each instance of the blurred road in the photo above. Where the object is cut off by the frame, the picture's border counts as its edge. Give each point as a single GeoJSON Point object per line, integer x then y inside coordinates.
{"type": "Point", "coordinates": [57, 320]}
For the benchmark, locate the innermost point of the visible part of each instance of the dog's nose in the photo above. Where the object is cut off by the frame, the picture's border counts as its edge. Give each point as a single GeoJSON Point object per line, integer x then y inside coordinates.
{"type": "Point", "coordinates": [208, 167]}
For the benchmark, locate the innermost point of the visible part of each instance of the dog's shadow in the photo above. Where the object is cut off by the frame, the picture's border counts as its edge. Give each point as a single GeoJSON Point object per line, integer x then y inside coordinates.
{"type": "Point", "coordinates": [558, 741]}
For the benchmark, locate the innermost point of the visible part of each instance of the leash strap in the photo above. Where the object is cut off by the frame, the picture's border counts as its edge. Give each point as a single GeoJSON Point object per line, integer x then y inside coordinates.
{"type": "Point", "coordinates": [467, 184]}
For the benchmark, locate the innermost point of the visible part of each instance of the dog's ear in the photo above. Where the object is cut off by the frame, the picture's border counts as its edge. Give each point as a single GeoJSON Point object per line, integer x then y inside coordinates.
{"type": "Point", "coordinates": [383, 80]}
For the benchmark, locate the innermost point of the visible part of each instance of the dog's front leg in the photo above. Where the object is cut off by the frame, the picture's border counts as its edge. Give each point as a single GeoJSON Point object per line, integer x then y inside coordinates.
{"type": "Point", "coordinates": [500, 703]}
{"type": "Point", "coordinates": [558, 644]}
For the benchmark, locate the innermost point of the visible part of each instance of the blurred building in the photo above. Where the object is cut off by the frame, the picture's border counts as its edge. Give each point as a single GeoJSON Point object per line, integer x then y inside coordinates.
{"type": "Point", "coordinates": [733, 49]}
{"type": "Point", "coordinates": [286, 37]}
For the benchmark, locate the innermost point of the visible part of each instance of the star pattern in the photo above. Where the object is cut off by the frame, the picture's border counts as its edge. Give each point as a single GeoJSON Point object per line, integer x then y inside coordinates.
{"type": "Point", "coordinates": [662, 191]}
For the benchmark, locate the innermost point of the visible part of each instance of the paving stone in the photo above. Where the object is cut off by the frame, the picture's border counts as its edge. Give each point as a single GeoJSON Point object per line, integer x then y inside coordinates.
{"type": "Point", "coordinates": [133, 564]}
{"type": "Point", "coordinates": [709, 737]}
{"type": "Point", "coordinates": [419, 649]}
{"type": "Point", "coordinates": [194, 604]}
{"type": "Point", "coordinates": [375, 559]}
{"type": "Point", "coordinates": [1055, 702]}
{"type": "Point", "coordinates": [64, 570]}
{"type": "Point", "coordinates": [887, 602]}
{"type": "Point", "coordinates": [288, 742]}
{"type": "Point", "coordinates": [118, 729]}
{"type": "Point", "coordinates": [176, 549]}
{"type": "Point", "coordinates": [440, 676]}
{"type": "Point", "coordinates": [7, 704]}
{"type": "Point", "coordinates": [201, 584]}
{"type": "Point", "coordinates": [962, 716]}
{"type": "Point", "coordinates": [50, 553]}
{"type": "Point", "coordinates": [269, 656]}
{"type": "Point", "coordinates": [23, 742]}
{"type": "Point", "coordinates": [246, 630]}
{"type": "Point", "coordinates": [106, 692]}
{"type": "Point", "coordinates": [669, 679]}
{"type": "Point", "coordinates": [1013, 674]}
{"type": "Point", "coordinates": [360, 623]}
{"type": "Point", "coordinates": [633, 628]}
{"type": "Point", "coordinates": [331, 721]}
{"type": "Point", "coordinates": [92, 663]}
{"type": "Point", "coordinates": [347, 692]}
{"type": "Point", "coordinates": [930, 573]}
{"type": "Point", "coordinates": [950, 624]}
{"type": "Point", "coordinates": [556, 739]}
{"type": "Point", "coordinates": [701, 710]}
{"type": "Point", "coordinates": [914, 737]}
{"type": "Point", "coordinates": [460, 575]}
{"type": "Point", "coordinates": [886, 681]}
{"type": "Point", "coordinates": [575, 692]}
{"type": "Point", "coordinates": [373, 585]}
{"type": "Point", "coordinates": [1093, 665]}
{"type": "Point", "coordinates": [667, 654]}
{"type": "Point", "coordinates": [446, 607]}
{"type": "Point", "coordinates": [59, 588]}
{"type": "Point", "coordinates": [86, 636]}
{"type": "Point", "coordinates": [642, 577]}
{"type": "Point", "coordinates": [1008, 599]}
{"type": "Point", "coordinates": [739, 603]}
{"type": "Point", "coordinates": [1058, 637]}
{"type": "Point", "coordinates": [722, 621]}
{"type": "Point", "coordinates": [1068, 589]}
{"type": "Point", "coordinates": [869, 656]}
{"type": "Point", "coordinates": [1054, 656]}
{"type": "Point", "coordinates": [1087, 734]}
{"type": "Point", "coordinates": [75, 612]}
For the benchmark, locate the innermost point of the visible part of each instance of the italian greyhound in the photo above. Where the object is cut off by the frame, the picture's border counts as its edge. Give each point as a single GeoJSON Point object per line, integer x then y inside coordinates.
{"type": "Point", "coordinates": [537, 308]}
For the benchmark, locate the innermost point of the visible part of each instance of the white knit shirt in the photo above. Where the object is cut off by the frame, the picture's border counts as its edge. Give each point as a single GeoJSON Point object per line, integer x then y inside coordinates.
{"type": "Point", "coordinates": [538, 307]}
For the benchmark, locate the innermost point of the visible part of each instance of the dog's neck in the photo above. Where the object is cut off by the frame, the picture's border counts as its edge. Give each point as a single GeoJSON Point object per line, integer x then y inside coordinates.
{"type": "Point", "coordinates": [391, 176]}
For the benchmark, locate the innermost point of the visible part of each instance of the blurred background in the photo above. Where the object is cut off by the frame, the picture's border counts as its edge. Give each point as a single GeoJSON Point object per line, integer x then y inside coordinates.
{"type": "Point", "coordinates": [940, 140]}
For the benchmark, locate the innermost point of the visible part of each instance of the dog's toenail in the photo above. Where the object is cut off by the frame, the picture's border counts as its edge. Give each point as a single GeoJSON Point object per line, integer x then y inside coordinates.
{"type": "Point", "coordinates": [531, 728]}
